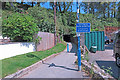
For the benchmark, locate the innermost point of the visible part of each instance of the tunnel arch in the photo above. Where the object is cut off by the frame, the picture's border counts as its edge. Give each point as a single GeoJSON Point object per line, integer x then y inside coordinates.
{"type": "Point", "coordinates": [67, 38]}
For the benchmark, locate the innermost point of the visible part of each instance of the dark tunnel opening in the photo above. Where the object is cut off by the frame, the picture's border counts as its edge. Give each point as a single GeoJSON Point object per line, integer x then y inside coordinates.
{"type": "Point", "coordinates": [67, 38]}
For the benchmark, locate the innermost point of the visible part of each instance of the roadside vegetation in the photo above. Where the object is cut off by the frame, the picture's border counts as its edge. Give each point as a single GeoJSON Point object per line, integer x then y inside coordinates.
{"type": "Point", "coordinates": [21, 21]}
{"type": "Point", "coordinates": [42, 19]}
{"type": "Point", "coordinates": [16, 63]}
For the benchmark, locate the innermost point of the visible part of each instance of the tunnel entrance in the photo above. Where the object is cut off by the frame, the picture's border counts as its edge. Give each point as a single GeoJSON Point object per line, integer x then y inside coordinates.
{"type": "Point", "coordinates": [67, 38]}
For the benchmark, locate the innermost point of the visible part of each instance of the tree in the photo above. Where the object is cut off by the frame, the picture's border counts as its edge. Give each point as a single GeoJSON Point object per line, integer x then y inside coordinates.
{"type": "Point", "coordinates": [108, 9]}
{"type": "Point", "coordinates": [38, 3]}
{"type": "Point", "coordinates": [114, 9]}
{"type": "Point", "coordinates": [44, 18]}
{"type": "Point", "coordinates": [85, 7]}
{"type": "Point", "coordinates": [100, 9]}
{"type": "Point", "coordinates": [19, 27]}
{"type": "Point", "coordinates": [4, 5]}
{"type": "Point", "coordinates": [88, 6]}
{"type": "Point", "coordinates": [118, 14]}
{"type": "Point", "coordinates": [62, 7]}
{"type": "Point", "coordinates": [22, 1]}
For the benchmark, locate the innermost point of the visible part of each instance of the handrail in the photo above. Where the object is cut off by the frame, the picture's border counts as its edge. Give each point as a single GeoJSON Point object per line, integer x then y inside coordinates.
{"type": "Point", "coordinates": [86, 48]}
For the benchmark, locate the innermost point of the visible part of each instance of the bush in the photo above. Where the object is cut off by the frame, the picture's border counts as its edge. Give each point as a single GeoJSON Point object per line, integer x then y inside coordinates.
{"type": "Point", "coordinates": [19, 27]}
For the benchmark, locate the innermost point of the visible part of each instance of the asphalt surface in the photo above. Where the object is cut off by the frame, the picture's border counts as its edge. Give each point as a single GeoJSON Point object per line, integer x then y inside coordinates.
{"type": "Point", "coordinates": [61, 66]}
{"type": "Point", "coordinates": [105, 60]}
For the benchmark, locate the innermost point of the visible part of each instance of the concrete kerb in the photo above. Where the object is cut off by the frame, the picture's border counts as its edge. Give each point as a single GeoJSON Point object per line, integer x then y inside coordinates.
{"type": "Point", "coordinates": [98, 73]}
{"type": "Point", "coordinates": [30, 68]}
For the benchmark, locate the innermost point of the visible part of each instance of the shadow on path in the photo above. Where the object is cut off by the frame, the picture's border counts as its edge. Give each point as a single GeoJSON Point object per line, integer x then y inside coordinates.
{"type": "Point", "coordinates": [54, 65]}
{"type": "Point", "coordinates": [105, 65]}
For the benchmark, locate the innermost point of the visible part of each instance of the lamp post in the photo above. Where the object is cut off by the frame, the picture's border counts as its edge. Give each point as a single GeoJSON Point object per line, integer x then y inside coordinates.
{"type": "Point", "coordinates": [55, 21]}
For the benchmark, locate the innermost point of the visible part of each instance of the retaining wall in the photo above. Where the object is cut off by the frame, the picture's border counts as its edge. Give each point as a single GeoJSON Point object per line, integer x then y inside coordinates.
{"type": "Point", "coordinates": [9, 49]}
{"type": "Point", "coordinates": [16, 48]}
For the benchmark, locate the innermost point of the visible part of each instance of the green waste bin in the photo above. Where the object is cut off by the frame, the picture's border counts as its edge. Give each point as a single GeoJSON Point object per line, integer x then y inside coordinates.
{"type": "Point", "coordinates": [93, 49]}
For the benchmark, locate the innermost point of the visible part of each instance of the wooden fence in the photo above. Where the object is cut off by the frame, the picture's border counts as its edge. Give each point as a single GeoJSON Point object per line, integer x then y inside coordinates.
{"type": "Point", "coordinates": [47, 41]}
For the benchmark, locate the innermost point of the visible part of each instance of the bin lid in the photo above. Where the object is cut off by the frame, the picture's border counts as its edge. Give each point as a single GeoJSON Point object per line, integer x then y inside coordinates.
{"type": "Point", "coordinates": [94, 46]}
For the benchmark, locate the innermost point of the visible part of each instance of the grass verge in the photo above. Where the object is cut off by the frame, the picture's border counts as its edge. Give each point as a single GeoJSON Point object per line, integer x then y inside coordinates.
{"type": "Point", "coordinates": [13, 64]}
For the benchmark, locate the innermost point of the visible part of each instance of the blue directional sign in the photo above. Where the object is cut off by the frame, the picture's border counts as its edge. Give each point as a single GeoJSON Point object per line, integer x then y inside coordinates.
{"type": "Point", "coordinates": [83, 27]}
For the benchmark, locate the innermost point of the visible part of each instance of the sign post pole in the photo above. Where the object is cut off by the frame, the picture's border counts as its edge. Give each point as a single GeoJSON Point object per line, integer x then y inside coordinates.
{"type": "Point", "coordinates": [80, 28]}
{"type": "Point", "coordinates": [78, 35]}
{"type": "Point", "coordinates": [79, 54]}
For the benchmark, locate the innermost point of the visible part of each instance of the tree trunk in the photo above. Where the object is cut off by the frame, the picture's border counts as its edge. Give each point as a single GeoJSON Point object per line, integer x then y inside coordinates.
{"type": "Point", "coordinates": [111, 14]}
{"type": "Point", "coordinates": [71, 8]}
{"type": "Point", "coordinates": [114, 10]}
{"type": "Point", "coordinates": [93, 11]}
{"type": "Point", "coordinates": [88, 8]}
{"type": "Point", "coordinates": [21, 1]}
{"type": "Point", "coordinates": [64, 7]}
{"type": "Point", "coordinates": [32, 4]}
{"type": "Point", "coordinates": [108, 10]}
{"type": "Point", "coordinates": [115, 14]}
{"type": "Point", "coordinates": [38, 3]}
{"type": "Point", "coordinates": [92, 8]}
{"type": "Point", "coordinates": [104, 14]}
{"type": "Point", "coordinates": [59, 6]}
{"type": "Point", "coordinates": [119, 14]}
{"type": "Point", "coordinates": [104, 10]}
{"type": "Point", "coordinates": [79, 9]}
{"type": "Point", "coordinates": [68, 5]}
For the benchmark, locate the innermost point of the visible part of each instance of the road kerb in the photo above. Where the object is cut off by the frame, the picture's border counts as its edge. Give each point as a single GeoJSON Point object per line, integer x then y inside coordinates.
{"type": "Point", "coordinates": [24, 71]}
{"type": "Point", "coordinates": [98, 73]}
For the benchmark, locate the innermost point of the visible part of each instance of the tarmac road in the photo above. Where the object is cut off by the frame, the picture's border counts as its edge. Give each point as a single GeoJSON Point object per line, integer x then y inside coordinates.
{"type": "Point", "coordinates": [105, 60]}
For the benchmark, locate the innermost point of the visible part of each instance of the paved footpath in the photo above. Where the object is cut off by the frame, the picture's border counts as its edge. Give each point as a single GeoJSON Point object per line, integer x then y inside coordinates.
{"type": "Point", "coordinates": [61, 66]}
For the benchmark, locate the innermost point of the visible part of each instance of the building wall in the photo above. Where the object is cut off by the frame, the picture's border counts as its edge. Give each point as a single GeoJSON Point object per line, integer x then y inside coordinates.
{"type": "Point", "coordinates": [109, 30]}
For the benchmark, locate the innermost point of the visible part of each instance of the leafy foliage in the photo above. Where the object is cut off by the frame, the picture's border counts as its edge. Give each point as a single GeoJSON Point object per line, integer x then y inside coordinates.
{"type": "Point", "coordinates": [65, 22]}
{"type": "Point", "coordinates": [19, 27]}
{"type": "Point", "coordinates": [44, 18]}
